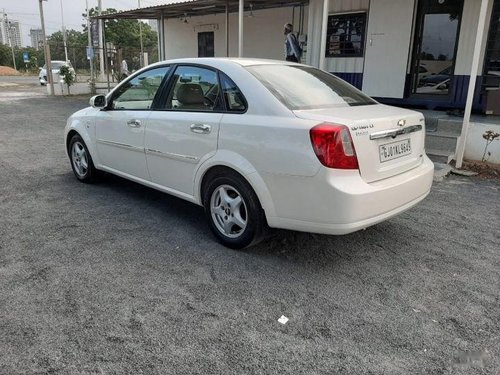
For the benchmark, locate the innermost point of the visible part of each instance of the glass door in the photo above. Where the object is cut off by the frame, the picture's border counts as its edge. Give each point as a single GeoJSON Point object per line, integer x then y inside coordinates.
{"type": "Point", "coordinates": [435, 47]}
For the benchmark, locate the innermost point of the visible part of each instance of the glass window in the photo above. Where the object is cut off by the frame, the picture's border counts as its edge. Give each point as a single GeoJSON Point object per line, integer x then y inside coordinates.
{"type": "Point", "coordinates": [346, 35]}
{"type": "Point", "coordinates": [194, 89]}
{"type": "Point", "coordinates": [139, 92]}
{"type": "Point", "coordinates": [234, 99]}
{"type": "Point", "coordinates": [56, 65]}
{"type": "Point", "coordinates": [303, 87]}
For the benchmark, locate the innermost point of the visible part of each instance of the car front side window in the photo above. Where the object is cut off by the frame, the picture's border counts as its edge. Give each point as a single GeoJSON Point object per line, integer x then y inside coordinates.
{"type": "Point", "coordinates": [194, 89]}
{"type": "Point", "coordinates": [139, 92]}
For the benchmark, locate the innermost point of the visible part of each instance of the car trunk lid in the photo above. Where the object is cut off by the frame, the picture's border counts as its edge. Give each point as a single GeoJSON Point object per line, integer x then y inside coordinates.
{"type": "Point", "coordinates": [388, 140]}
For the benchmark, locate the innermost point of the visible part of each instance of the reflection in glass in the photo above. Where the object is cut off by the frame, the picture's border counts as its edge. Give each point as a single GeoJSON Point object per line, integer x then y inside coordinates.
{"type": "Point", "coordinates": [436, 39]}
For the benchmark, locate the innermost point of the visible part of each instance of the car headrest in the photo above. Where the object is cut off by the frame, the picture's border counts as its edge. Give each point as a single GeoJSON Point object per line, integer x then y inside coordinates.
{"type": "Point", "coordinates": [190, 93]}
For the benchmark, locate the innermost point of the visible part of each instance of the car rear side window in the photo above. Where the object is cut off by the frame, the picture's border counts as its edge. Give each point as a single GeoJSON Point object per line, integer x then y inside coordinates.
{"type": "Point", "coordinates": [234, 99]}
{"type": "Point", "coordinates": [139, 92]}
{"type": "Point", "coordinates": [303, 87]}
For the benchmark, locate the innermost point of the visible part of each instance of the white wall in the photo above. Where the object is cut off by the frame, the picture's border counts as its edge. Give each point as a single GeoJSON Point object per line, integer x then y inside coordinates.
{"type": "Point", "coordinates": [474, 148]}
{"type": "Point", "coordinates": [337, 64]}
{"type": "Point", "coordinates": [467, 37]}
{"type": "Point", "coordinates": [314, 32]}
{"type": "Point", "coordinates": [347, 64]}
{"type": "Point", "coordinates": [263, 34]}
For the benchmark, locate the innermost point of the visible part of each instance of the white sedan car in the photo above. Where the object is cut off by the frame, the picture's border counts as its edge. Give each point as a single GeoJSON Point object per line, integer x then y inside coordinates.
{"type": "Point", "coordinates": [56, 66]}
{"type": "Point", "coordinates": [257, 143]}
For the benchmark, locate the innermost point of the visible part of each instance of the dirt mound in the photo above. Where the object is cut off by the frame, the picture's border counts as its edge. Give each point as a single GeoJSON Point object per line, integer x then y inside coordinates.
{"type": "Point", "coordinates": [8, 71]}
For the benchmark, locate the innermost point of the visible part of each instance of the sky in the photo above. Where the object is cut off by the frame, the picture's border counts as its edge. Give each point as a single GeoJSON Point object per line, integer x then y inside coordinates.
{"type": "Point", "coordinates": [27, 12]}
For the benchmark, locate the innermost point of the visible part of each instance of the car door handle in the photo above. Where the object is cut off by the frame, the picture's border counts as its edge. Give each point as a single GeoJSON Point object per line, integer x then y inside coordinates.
{"type": "Point", "coordinates": [134, 123]}
{"type": "Point", "coordinates": [200, 128]}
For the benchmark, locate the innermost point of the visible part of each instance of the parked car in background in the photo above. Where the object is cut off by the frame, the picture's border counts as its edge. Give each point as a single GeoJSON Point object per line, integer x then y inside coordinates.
{"type": "Point", "coordinates": [423, 72]}
{"type": "Point", "coordinates": [435, 79]}
{"type": "Point", "coordinates": [258, 144]}
{"type": "Point", "coordinates": [56, 65]}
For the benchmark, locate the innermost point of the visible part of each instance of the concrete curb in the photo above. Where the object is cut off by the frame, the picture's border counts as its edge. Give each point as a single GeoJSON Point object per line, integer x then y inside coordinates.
{"type": "Point", "coordinates": [441, 171]}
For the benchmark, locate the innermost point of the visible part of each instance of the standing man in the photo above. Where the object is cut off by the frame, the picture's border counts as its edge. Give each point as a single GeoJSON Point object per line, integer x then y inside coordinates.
{"type": "Point", "coordinates": [125, 72]}
{"type": "Point", "coordinates": [293, 52]}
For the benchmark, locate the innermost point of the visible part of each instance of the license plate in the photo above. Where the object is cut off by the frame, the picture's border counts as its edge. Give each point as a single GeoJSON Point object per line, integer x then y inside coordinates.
{"type": "Point", "coordinates": [394, 150]}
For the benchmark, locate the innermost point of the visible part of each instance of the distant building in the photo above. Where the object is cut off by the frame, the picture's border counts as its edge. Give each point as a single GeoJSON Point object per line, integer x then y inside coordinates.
{"type": "Point", "coordinates": [15, 33]}
{"type": "Point", "coordinates": [3, 31]}
{"type": "Point", "coordinates": [36, 37]}
{"type": "Point", "coordinates": [10, 32]}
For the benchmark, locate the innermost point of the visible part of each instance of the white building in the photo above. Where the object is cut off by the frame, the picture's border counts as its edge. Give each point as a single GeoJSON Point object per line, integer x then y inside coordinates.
{"type": "Point", "coordinates": [36, 37]}
{"type": "Point", "coordinates": [3, 31]}
{"type": "Point", "coordinates": [15, 33]}
{"type": "Point", "coordinates": [10, 32]}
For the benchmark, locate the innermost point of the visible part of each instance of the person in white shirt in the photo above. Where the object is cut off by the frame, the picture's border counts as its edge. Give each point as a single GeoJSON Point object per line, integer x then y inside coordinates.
{"type": "Point", "coordinates": [125, 72]}
{"type": "Point", "coordinates": [293, 51]}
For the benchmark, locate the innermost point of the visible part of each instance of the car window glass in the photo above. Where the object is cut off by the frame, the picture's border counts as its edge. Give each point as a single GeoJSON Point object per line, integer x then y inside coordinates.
{"type": "Point", "coordinates": [139, 92]}
{"type": "Point", "coordinates": [194, 89]}
{"type": "Point", "coordinates": [302, 87]}
{"type": "Point", "coordinates": [234, 99]}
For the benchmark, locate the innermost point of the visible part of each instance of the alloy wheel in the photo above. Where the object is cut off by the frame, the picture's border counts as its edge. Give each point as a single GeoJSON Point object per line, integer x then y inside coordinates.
{"type": "Point", "coordinates": [79, 159]}
{"type": "Point", "coordinates": [229, 211]}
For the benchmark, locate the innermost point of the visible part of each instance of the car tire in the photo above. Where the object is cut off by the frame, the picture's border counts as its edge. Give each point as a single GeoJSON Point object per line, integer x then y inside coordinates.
{"type": "Point", "coordinates": [81, 161]}
{"type": "Point", "coordinates": [233, 211]}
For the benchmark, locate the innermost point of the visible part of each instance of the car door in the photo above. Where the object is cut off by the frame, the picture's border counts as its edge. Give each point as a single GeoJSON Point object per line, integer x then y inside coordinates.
{"type": "Point", "coordinates": [120, 127]}
{"type": "Point", "coordinates": [184, 133]}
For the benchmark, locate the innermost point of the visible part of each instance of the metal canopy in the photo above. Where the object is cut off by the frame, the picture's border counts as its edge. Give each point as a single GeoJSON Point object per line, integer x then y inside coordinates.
{"type": "Point", "coordinates": [199, 8]}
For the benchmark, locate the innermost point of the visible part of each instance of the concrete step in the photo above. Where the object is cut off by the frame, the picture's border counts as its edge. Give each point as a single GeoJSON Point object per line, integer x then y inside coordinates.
{"type": "Point", "coordinates": [439, 156]}
{"type": "Point", "coordinates": [432, 119]}
{"type": "Point", "coordinates": [441, 141]}
{"type": "Point", "coordinates": [450, 126]}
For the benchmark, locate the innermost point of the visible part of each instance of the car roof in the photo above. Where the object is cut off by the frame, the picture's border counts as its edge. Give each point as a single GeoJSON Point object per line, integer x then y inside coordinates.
{"type": "Point", "coordinates": [217, 62]}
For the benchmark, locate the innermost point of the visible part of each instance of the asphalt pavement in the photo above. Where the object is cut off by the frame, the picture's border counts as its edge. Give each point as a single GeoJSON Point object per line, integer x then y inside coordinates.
{"type": "Point", "coordinates": [117, 278]}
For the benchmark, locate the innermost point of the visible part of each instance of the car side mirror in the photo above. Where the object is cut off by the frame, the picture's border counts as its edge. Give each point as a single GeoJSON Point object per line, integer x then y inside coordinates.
{"type": "Point", "coordinates": [98, 101]}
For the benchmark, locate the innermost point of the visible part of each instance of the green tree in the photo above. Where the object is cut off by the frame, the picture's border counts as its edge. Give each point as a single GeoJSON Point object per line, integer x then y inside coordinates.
{"type": "Point", "coordinates": [37, 59]}
{"type": "Point", "coordinates": [5, 55]}
{"type": "Point", "coordinates": [76, 42]}
{"type": "Point", "coordinates": [125, 36]}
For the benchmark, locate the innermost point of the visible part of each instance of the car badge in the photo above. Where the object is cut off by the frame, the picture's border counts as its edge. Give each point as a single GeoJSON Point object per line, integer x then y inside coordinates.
{"type": "Point", "coordinates": [401, 123]}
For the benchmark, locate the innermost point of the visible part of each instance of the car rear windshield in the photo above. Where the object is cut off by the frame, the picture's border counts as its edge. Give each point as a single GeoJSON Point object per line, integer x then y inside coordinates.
{"type": "Point", "coordinates": [303, 87]}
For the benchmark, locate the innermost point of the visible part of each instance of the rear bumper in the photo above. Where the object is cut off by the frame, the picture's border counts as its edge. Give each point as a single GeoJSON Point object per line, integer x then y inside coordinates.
{"type": "Point", "coordinates": [340, 202]}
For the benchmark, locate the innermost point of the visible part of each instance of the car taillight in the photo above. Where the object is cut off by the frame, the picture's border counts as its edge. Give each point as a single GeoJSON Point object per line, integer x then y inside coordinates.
{"type": "Point", "coordinates": [333, 146]}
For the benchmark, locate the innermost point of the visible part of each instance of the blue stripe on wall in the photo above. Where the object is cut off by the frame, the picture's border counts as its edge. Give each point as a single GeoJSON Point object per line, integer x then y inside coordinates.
{"type": "Point", "coordinates": [355, 79]}
{"type": "Point", "coordinates": [456, 98]}
{"type": "Point", "coordinates": [460, 88]}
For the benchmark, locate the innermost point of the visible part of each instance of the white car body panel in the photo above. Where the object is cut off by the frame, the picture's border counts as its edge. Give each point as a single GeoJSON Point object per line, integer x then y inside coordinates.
{"type": "Point", "coordinates": [174, 151]}
{"type": "Point", "coordinates": [270, 147]}
{"type": "Point", "coordinates": [365, 120]}
{"type": "Point", "coordinates": [120, 146]}
{"type": "Point", "coordinates": [353, 204]}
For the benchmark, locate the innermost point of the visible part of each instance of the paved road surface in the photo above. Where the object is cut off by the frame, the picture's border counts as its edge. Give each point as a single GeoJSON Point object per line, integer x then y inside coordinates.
{"type": "Point", "coordinates": [116, 278]}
